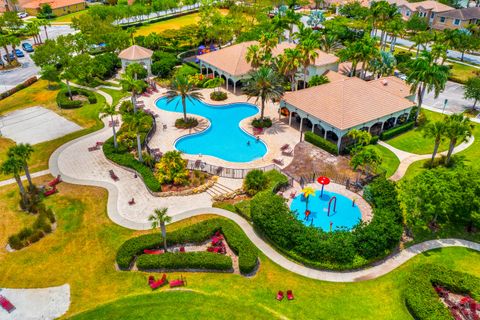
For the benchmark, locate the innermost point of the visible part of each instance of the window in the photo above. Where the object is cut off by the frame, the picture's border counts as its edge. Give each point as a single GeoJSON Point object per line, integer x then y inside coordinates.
{"type": "Point", "coordinates": [456, 22]}
{"type": "Point", "coordinates": [442, 19]}
{"type": "Point", "coordinates": [408, 13]}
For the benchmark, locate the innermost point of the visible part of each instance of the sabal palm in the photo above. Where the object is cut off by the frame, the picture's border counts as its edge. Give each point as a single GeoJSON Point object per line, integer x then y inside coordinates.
{"type": "Point", "coordinates": [13, 166]}
{"type": "Point", "coordinates": [366, 51]}
{"type": "Point", "coordinates": [184, 89]}
{"type": "Point", "coordinates": [458, 128]}
{"type": "Point", "coordinates": [424, 75]}
{"type": "Point", "coordinates": [292, 18]}
{"type": "Point", "coordinates": [135, 122]}
{"type": "Point", "coordinates": [5, 42]}
{"type": "Point", "coordinates": [158, 219]}
{"type": "Point", "coordinates": [289, 63]}
{"type": "Point", "coordinates": [110, 111]}
{"type": "Point", "coordinates": [263, 84]}
{"type": "Point", "coordinates": [309, 51]}
{"type": "Point", "coordinates": [437, 131]}
{"type": "Point", "coordinates": [384, 64]}
{"type": "Point", "coordinates": [421, 39]}
{"type": "Point", "coordinates": [23, 153]}
{"type": "Point", "coordinates": [254, 56]}
{"type": "Point", "coordinates": [329, 42]}
{"type": "Point", "coordinates": [307, 193]}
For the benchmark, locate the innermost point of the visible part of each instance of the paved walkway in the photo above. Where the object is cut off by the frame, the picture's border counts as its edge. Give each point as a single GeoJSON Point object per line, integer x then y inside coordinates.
{"type": "Point", "coordinates": [407, 158]}
{"type": "Point", "coordinates": [34, 304]}
{"type": "Point", "coordinates": [33, 175]}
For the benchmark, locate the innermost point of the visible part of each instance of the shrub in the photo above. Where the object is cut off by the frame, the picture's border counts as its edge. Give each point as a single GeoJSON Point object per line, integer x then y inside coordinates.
{"type": "Point", "coordinates": [188, 260]}
{"type": "Point", "coordinates": [41, 227]}
{"type": "Point", "coordinates": [318, 141]}
{"type": "Point", "coordinates": [182, 124]}
{"type": "Point", "coordinates": [15, 242]}
{"type": "Point", "coordinates": [172, 168]}
{"type": "Point", "coordinates": [197, 233]}
{"type": "Point", "coordinates": [388, 134]}
{"type": "Point", "coordinates": [163, 64]}
{"type": "Point", "coordinates": [218, 96]}
{"type": "Point", "coordinates": [36, 236]}
{"type": "Point", "coordinates": [23, 85]}
{"type": "Point", "coordinates": [64, 102]}
{"type": "Point", "coordinates": [106, 65]}
{"type": "Point", "coordinates": [276, 180]}
{"type": "Point", "coordinates": [374, 139]}
{"type": "Point", "coordinates": [254, 182]}
{"type": "Point", "coordinates": [266, 123]}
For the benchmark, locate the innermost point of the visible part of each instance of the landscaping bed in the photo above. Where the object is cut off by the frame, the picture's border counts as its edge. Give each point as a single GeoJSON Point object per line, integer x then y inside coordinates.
{"type": "Point", "coordinates": [78, 98]}
{"type": "Point", "coordinates": [198, 261]}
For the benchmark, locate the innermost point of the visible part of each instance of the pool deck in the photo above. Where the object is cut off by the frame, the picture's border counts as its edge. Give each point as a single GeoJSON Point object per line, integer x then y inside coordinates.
{"type": "Point", "coordinates": [275, 137]}
{"type": "Point", "coordinates": [365, 208]}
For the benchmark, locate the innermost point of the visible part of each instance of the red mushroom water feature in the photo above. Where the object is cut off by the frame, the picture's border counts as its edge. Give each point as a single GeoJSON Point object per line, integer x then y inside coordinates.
{"type": "Point", "coordinates": [323, 181]}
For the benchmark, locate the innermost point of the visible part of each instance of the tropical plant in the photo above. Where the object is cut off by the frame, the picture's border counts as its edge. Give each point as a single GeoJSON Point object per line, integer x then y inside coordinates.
{"type": "Point", "coordinates": [135, 122]}
{"type": "Point", "coordinates": [129, 83]}
{"type": "Point", "coordinates": [109, 110]}
{"type": "Point", "coordinates": [421, 39]}
{"type": "Point", "coordinates": [158, 219]}
{"type": "Point", "coordinates": [14, 166]}
{"type": "Point", "coordinates": [44, 23]}
{"type": "Point", "coordinates": [183, 90]}
{"type": "Point", "coordinates": [368, 159]}
{"type": "Point", "coordinates": [289, 63]}
{"type": "Point", "coordinates": [383, 64]}
{"type": "Point", "coordinates": [136, 71]}
{"type": "Point", "coordinates": [309, 52]}
{"type": "Point", "coordinates": [307, 193]}
{"type": "Point", "coordinates": [254, 56]}
{"type": "Point", "coordinates": [214, 83]}
{"type": "Point", "coordinates": [23, 153]}
{"type": "Point", "coordinates": [458, 128]}
{"type": "Point", "coordinates": [317, 80]}
{"type": "Point", "coordinates": [315, 18]}
{"type": "Point", "coordinates": [255, 181]}
{"type": "Point", "coordinates": [263, 84]}
{"type": "Point", "coordinates": [435, 130]}
{"type": "Point", "coordinates": [360, 138]}
{"type": "Point", "coordinates": [172, 169]}
{"type": "Point", "coordinates": [472, 90]}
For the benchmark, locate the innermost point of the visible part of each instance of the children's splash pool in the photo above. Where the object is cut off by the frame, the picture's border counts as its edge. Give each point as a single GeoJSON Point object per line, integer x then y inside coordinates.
{"type": "Point", "coordinates": [342, 214]}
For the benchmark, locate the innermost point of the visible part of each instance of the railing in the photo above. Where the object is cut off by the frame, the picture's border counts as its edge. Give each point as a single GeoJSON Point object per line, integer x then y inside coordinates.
{"type": "Point", "coordinates": [157, 15]}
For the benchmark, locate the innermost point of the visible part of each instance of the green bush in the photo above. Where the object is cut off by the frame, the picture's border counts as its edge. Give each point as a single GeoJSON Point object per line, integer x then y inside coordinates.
{"type": "Point", "coordinates": [186, 260]}
{"type": "Point", "coordinates": [182, 124]}
{"type": "Point", "coordinates": [197, 233]}
{"type": "Point", "coordinates": [374, 139]}
{"type": "Point", "coordinates": [388, 134]}
{"type": "Point", "coordinates": [218, 96]}
{"type": "Point", "coordinates": [276, 180]}
{"type": "Point", "coordinates": [265, 123]}
{"type": "Point", "coordinates": [318, 141]}
{"type": "Point", "coordinates": [254, 182]}
{"type": "Point", "coordinates": [421, 299]}
{"type": "Point", "coordinates": [64, 102]}
{"type": "Point", "coordinates": [106, 65]}
{"type": "Point", "coordinates": [163, 63]}
{"type": "Point", "coordinates": [186, 70]}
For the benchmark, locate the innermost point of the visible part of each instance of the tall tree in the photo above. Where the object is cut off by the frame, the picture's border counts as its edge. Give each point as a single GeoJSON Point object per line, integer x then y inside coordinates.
{"type": "Point", "coordinates": [458, 128]}
{"type": "Point", "coordinates": [23, 153]}
{"type": "Point", "coordinates": [435, 130]}
{"type": "Point", "coordinates": [129, 83]}
{"type": "Point", "coordinates": [421, 39]}
{"type": "Point", "coordinates": [14, 166]}
{"type": "Point", "coordinates": [135, 122]}
{"type": "Point", "coordinates": [158, 219]}
{"type": "Point", "coordinates": [183, 90]}
{"type": "Point", "coordinates": [110, 111]}
{"type": "Point", "coordinates": [472, 90]}
{"type": "Point", "coordinates": [254, 56]}
{"type": "Point", "coordinates": [288, 64]}
{"type": "Point", "coordinates": [263, 84]}
{"type": "Point", "coordinates": [309, 52]}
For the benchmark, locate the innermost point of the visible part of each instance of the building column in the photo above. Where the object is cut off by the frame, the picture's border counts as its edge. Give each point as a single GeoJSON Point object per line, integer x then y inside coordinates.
{"type": "Point", "coordinates": [207, 71]}
{"type": "Point", "coordinates": [301, 125]}
{"type": "Point", "coordinates": [289, 117]}
{"type": "Point", "coordinates": [226, 83]}
{"type": "Point", "coordinates": [313, 127]}
{"type": "Point", "coordinates": [339, 141]}
{"type": "Point", "coordinates": [325, 134]}
{"type": "Point", "coordinates": [234, 87]}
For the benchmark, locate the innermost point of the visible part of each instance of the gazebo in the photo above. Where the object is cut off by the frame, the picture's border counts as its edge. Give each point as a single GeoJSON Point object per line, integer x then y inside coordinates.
{"type": "Point", "coordinates": [137, 54]}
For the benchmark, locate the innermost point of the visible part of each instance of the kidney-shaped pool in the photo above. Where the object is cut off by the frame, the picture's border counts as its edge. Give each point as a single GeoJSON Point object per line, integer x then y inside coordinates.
{"type": "Point", "coordinates": [224, 138]}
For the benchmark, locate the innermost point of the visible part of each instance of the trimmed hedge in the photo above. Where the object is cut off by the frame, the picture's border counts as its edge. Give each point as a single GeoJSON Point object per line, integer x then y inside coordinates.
{"type": "Point", "coordinates": [23, 85]}
{"type": "Point", "coordinates": [389, 134]}
{"type": "Point", "coordinates": [64, 102]}
{"type": "Point", "coordinates": [421, 299]}
{"type": "Point", "coordinates": [318, 141]}
{"type": "Point", "coordinates": [184, 260]}
{"type": "Point", "coordinates": [197, 233]}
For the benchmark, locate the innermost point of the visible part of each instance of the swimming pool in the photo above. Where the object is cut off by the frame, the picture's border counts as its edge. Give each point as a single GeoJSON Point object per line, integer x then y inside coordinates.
{"type": "Point", "coordinates": [224, 138]}
{"type": "Point", "coordinates": [346, 215]}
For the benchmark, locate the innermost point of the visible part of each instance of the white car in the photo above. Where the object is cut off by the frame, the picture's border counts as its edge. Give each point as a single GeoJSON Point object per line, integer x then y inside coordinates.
{"type": "Point", "coordinates": [22, 15]}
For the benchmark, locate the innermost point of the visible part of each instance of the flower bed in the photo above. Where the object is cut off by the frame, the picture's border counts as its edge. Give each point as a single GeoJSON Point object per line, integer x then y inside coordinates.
{"type": "Point", "coordinates": [265, 123]}
{"type": "Point", "coordinates": [197, 233]}
{"type": "Point", "coordinates": [218, 96]}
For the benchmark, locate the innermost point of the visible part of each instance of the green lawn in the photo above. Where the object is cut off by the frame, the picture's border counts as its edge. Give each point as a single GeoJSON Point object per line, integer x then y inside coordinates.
{"type": "Point", "coordinates": [413, 141]}
{"type": "Point", "coordinates": [116, 94]}
{"type": "Point", "coordinates": [461, 73]}
{"type": "Point", "coordinates": [67, 18]}
{"type": "Point", "coordinates": [390, 161]}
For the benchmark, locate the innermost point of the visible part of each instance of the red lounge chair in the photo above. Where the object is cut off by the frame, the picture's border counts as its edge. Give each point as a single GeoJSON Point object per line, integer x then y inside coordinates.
{"type": "Point", "coordinates": [92, 148]}
{"type": "Point", "coordinates": [290, 295]}
{"type": "Point", "coordinates": [178, 283]}
{"type": "Point", "coordinates": [131, 202]}
{"type": "Point", "coordinates": [182, 249]}
{"type": "Point", "coordinates": [159, 283]}
{"type": "Point", "coordinates": [6, 304]}
{"type": "Point", "coordinates": [293, 194]}
{"type": "Point", "coordinates": [285, 147]}
{"type": "Point", "coordinates": [278, 161]}
{"type": "Point", "coordinates": [113, 175]}
{"type": "Point", "coordinates": [280, 295]}
{"type": "Point", "coordinates": [50, 192]}
{"type": "Point", "coordinates": [153, 251]}
{"type": "Point", "coordinates": [151, 279]}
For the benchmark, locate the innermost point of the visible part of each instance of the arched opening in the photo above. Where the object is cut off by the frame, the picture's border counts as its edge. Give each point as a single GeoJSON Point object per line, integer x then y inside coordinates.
{"type": "Point", "coordinates": [319, 130]}
{"type": "Point", "coordinates": [390, 123]}
{"type": "Point", "coordinates": [376, 129]}
{"type": "Point", "coordinates": [402, 119]}
{"type": "Point", "coordinates": [364, 129]}
{"type": "Point", "coordinates": [307, 123]}
{"type": "Point", "coordinates": [332, 137]}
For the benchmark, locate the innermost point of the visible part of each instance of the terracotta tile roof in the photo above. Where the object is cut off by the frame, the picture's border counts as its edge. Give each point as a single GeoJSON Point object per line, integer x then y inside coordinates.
{"type": "Point", "coordinates": [135, 53]}
{"type": "Point", "coordinates": [462, 14]}
{"type": "Point", "coordinates": [55, 4]}
{"type": "Point", "coordinates": [347, 103]}
{"type": "Point", "coordinates": [393, 85]}
{"type": "Point", "coordinates": [232, 59]}
{"type": "Point", "coordinates": [434, 6]}
{"type": "Point", "coordinates": [334, 76]}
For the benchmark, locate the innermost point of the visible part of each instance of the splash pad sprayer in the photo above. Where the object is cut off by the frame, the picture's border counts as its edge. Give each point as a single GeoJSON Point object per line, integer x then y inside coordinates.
{"type": "Point", "coordinates": [323, 181]}
{"type": "Point", "coordinates": [331, 224]}
{"type": "Point", "coordinates": [334, 205]}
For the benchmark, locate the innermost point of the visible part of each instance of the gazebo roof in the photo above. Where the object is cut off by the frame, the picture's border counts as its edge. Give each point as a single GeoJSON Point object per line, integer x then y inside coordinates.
{"type": "Point", "coordinates": [135, 52]}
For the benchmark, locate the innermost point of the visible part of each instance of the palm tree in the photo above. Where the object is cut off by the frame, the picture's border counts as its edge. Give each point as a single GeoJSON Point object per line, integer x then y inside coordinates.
{"type": "Point", "coordinates": [366, 50]}
{"type": "Point", "coordinates": [5, 41]}
{"type": "Point", "coordinates": [420, 39]}
{"type": "Point", "coordinates": [13, 166]}
{"type": "Point", "coordinates": [288, 64]}
{"type": "Point", "coordinates": [458, 128]}
{"type": "Point", "coordinates": [14, 42]}
{"type": "Point", "coordinates": [158, 219]}
{"type": "Point", "coordinates": [395, 28]}
{"type": "Point", "coordinates": [439, 51]}
{"type": "Point", "coordinates": [135, 122]}
{"type": "Point", "coordinates": [263, 84]}
{"type": "Point", "coordinates": [134, 86]}
{"type": "Point", "coordinates": [308, 50]}
{"type": "Point", "coordinates": [424, 75]}
{"type": "Point", "coordinates": [435, 130]}
{"type": "Point", "coordinates": [292, 18]}
{"type": "Point", "coordinates": [267, 42]}
{"type": "Point", "coordinates": [307, 193]}
{"type": "Point", "coordinates": [254, 56]}
{"type": "Point", "coordinates": [329, 42]}
{"type": "Point", "coordinates": [23, 152]}
{"type": "Point", "coordinates": [185, 89]}
{"type": "Point", "coordinates": [32, 30]}
{"type": "Point", "coordinates": [384, 64]}
{"type": "Point", "coordinates": [110, 111]}
{"type": "Point", "coordinates": [44, 23]}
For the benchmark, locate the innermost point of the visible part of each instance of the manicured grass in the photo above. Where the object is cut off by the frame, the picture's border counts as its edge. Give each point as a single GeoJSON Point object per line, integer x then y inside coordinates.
{"type": "Point", "coordinates": [413, 141]}
{"type": "Point", "coordinates": [81, 252]}
{"type": "Point", "coordinates": [65, 19]}
{"type": "Point", "coordinates": [390, 161]}
{"type": "Point", "coordinates": [39, 95]}
{"type": "Point", "coordinates": [461, 73]}
{"type": "Point", "coordinates": [116, 94]}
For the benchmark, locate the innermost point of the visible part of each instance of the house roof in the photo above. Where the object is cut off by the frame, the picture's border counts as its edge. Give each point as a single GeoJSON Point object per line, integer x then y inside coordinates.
{"type": "Point", "coordinates": [434, 6]}
{"type": "Point", "coordinates": [393, 85]}
{"type": "Point", "coordinates": [333, 76]}
{"type": "Point", "coordinates": [462, 14]}
{"type": "Point", "coordinates": [232, 59]}
{"type": "Point", "coordinates": [55, 4]}
{"type": "Point", "coordinates": [135, 53]}
{"type": "Point", "coordinates": [347, 103]}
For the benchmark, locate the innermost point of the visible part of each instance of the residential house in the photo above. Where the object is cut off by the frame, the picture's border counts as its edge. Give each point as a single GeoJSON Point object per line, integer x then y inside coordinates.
{"type": "Point", "coordinates": [424, 9]}
{"type": "Point", "coordinates": [457, 19]}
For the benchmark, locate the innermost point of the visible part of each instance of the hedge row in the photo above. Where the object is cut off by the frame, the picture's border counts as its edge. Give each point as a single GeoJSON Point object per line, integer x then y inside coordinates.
{"type": "Point", "coordinates": [187, 260]}
{"type": "Point", "coordinates": [23, 85]}
{"type": "Point", "coordinates": [340, 249]}
{"type": "Point", "coordinates": [321, 143]}
{"type": "Point", "coordinates": [197, 233]}
{"type": "Point", "coordinates": [64, 102]}
{"type": "Point", "coordinates": [41, 227]}
{"type": "Point", "coordinates": [395, 131]}
{"type": "Point", "coordinates": [421, 299]}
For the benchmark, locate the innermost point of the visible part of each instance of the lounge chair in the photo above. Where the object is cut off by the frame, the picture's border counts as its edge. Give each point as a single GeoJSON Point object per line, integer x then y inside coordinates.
{"type": "Point", "coordinates": [6, 304]}
{"type": "Point", "coordinates": [198, 163]}
{"type": "Point", "coordinates": [293, 194]}
{"type": "Point", "coordinates": [153, 251]}
{"type": "Point", "coordinates": [287, 152]}
{"type": "Point", "coordinates": [95, 148]}
{"type": "Point", "coordinates": [131, 202]}
{"type": "Point", "coordinates": [219, 170]}
{"type": "Point", "coordinates": [290, 295]}
{"type": "Point", "coordinates": [159, 283]}
{"type": "Point", "coordinates": [285, 147]}
{"type": "Point", "coordinates": [164, 127]}
{"type": "Point", "coordinates": [50, 192]}
{"type": "Point", "coordinates": [278, 161]}
{"type": "Point", "coordinates": [178, 282]}
{"type": "Point", "coordinates": [280, 295]}
{"type": "Point", "coordinates": [113, 175]}
{"type": "Point", "coordinates": [55, 181]}
{"type": "Point", "coordinates": [99, 143]}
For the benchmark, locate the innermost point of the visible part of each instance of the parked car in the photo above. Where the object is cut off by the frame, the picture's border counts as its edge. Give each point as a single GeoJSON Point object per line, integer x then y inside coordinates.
{"type": "Point", "coordinates": [12, 57]}
{"type": "Point", "coordinates": [19, 53]}
{"type": "Point", "coordinates": [22, 15]}
{"type": "Point", "coordinates": [27, 47]}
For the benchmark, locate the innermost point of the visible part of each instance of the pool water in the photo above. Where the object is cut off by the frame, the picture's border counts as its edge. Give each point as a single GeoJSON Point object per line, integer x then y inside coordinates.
{"type": "Point", "coordinates": [345, 216]}
{"type": "Point", "coordinates": [224, 138]}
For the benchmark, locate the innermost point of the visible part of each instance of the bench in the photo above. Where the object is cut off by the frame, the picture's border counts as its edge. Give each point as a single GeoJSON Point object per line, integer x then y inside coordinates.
{"type": "Point", "coordinates": [6, 304]}
{"type": "Point", "coordinates": [113, 175]}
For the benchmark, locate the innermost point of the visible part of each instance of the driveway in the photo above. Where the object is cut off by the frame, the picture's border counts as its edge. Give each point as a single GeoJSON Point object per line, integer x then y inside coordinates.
{"type": "Point", "coordinates": [11, 78]}
{"type": "Point", "coordinates": [454, 94]}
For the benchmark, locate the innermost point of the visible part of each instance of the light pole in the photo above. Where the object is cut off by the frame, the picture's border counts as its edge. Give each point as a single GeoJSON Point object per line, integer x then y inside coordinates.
{"type": "Point", "coordinates": [444, 105]}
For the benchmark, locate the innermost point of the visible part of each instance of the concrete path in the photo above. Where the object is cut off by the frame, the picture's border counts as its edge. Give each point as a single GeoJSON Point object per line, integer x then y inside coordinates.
{"type": "Point", "coordinates": [107, 97]}
{"type": "Point", "coordinates": [24, 178]}
{"type": "Point", "coordinates": [36, 304]}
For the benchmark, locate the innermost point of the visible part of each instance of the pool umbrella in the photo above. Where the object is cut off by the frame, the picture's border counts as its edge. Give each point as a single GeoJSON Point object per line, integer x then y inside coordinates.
{"type": "Point", "coordinates": [323, 181]}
